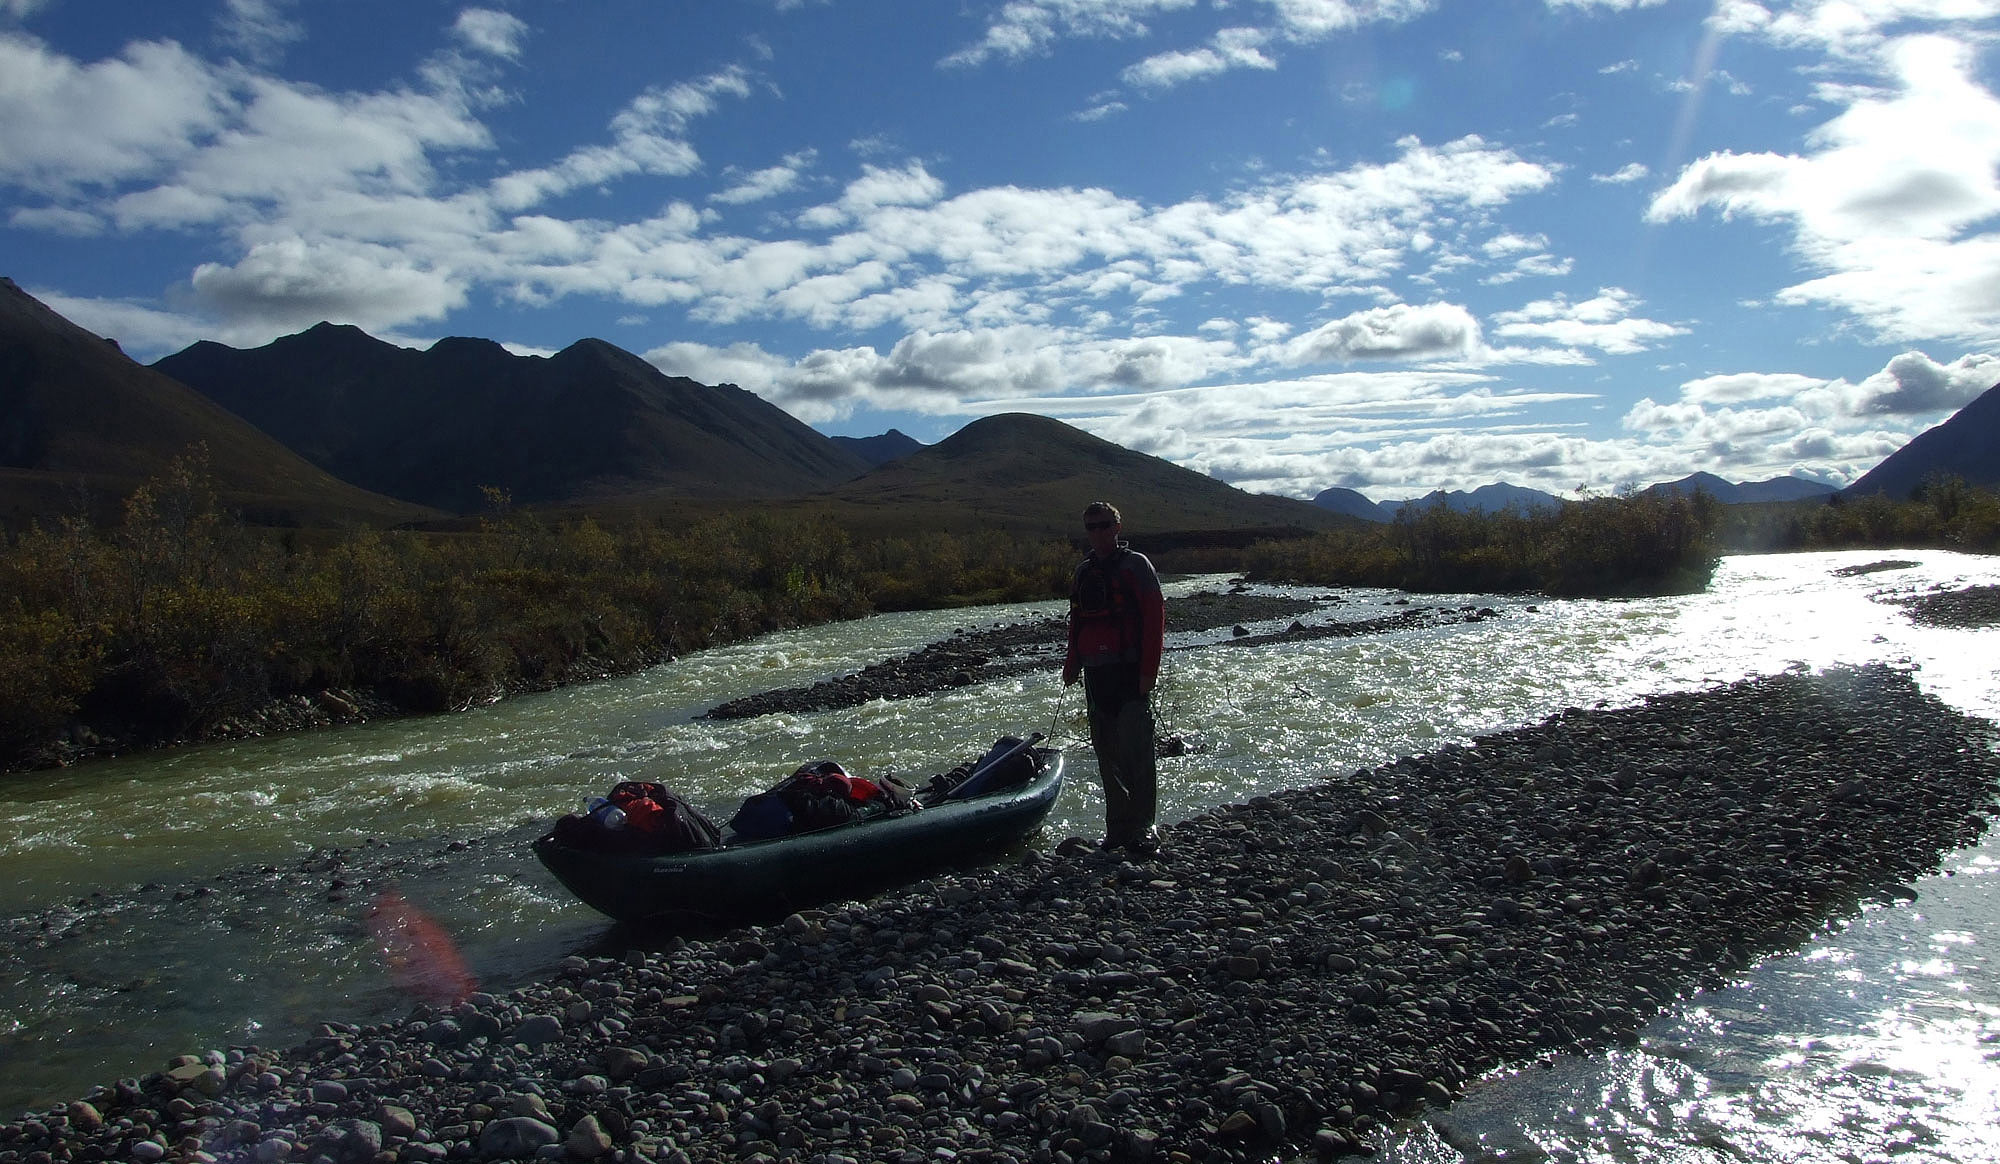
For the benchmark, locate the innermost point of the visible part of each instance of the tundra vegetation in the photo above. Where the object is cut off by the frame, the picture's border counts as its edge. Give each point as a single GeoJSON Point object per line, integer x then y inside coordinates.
{"type": "Point", "coordinates": [182, 619]}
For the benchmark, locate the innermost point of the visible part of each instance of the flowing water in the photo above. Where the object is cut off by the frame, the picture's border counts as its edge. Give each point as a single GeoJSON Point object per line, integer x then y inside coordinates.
{"type": "Point", "coordinates": [217, 895]}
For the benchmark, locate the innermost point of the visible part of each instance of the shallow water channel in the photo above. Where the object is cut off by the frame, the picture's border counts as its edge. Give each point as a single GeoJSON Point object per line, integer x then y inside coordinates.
{"type": "Point", "coordinates": [211, 896]}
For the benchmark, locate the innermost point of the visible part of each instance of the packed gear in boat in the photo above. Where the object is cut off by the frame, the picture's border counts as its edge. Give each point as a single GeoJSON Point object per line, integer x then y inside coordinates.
{"type": "Point", "coordinates": [640, 816]}
{"type": "Point", "coordinates": [819, 795]}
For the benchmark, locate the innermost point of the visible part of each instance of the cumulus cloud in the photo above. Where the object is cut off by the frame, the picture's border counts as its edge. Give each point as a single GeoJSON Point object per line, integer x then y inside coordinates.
{"type": "Point", "coordinates": [297, 284]}
{"type": "Point", "coordinates": [1895, 203]}
{"type": "Point", "coordinates": [1436, 331]}
{"type": "Point", "coordinates": [1913, 384]}
{"type": "Point", "coordinates": [1765, 424]}
{"type": "Point", "coordinates": [65, 125]}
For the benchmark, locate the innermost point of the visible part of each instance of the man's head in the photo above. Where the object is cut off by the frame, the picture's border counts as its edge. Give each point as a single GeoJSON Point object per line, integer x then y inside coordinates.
{"type": "Point", "coordinates": [1101, 522]}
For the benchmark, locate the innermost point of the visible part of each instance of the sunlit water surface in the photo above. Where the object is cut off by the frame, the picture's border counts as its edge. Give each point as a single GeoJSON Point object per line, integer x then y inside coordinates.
{"type": "Point", "coordinates": [1880, 1038]}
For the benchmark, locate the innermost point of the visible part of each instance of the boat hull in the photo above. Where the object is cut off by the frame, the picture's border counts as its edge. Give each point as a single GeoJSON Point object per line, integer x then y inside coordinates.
{"type": "Point", "coordinates": [769, 878]}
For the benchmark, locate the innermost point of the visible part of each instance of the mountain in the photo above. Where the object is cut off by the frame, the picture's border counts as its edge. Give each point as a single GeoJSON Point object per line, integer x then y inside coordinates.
{"type": "Point", "coordinates": [1032, 475]}
{"type": "Point", "coordinates": [591, 422]}
{"type": "Point", "coordinates": [1967, 444]}
{"type": "Point", "coordinates": [893, 445]}
{"type": "Point", "coordinates": [1789, 488]}
{"type": "Point", "coordinates": [1485, 499]}
{"type": "Point", "coordinates": [82, 423]}
{"type": "Point", "coordinates": [1351, 503]}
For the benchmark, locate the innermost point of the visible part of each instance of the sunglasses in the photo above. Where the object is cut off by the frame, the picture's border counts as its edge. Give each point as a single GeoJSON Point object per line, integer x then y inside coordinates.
{"type": "Point", "coordinates": [1099, 524]}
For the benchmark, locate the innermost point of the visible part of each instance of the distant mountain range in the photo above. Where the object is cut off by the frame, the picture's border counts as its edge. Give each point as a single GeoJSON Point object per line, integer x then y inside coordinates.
{"type": "Point", "coordinates": [591, 422]}
{"type": "Point", "coordinates": [332, 426]}
{"type": "Point", "coordinates": [294, 427]}
{"type": "Point", "coordinates": [1966, 445]}
{"type": "Point", "coordinates": [893, 445]}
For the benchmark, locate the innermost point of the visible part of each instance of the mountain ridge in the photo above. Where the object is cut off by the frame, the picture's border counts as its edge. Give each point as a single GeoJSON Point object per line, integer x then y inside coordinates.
{"type": "Point", "coordinates": [441, 425]}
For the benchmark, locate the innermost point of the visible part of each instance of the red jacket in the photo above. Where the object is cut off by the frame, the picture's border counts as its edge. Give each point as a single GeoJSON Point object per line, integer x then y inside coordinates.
{"type": "Point", "coordinates": [1116, 615]}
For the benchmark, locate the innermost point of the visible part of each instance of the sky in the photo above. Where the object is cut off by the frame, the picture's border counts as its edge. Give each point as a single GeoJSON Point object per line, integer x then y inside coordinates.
{"type": "Point", "coordinates": [1387, 245]}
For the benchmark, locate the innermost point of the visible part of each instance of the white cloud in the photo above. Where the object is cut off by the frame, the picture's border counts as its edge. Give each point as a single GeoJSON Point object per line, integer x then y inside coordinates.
{"type": "Point", "coordinates": [1233, 48]}
{"type": "Point", "coordinates": [1846, 27]}
{"type": "Point", "coordinates": [57, 220]}
{"type": "Point", "coordinates": [65, 125]}
{"type": "Point", "coordinates": [1913, 384]}
{"type": "Point", "coordinates": [1026, 27]}
{"type": "Point", "coordinates": [647, 138]}
{"type": "Point", "coordinates": [1627, 173]}
{"type": "Point", "coordinates": [1607, 5]}
{"type": "Point", "coordinates": [490, 31]}
{"type": "Point", "coordinates": [293, 283]}
{"type": "Point", "coordinates": [1737, 387]}
{"type": "Point", "coordinates": [769, 182]}
{"type": "Point", "coordinates": [1604, 323]}
{"type": "Point", "coordinates": [1436, 331]}
{"type": "Point", "coordinates": [260, 28]}
{"type": "Point", "coordinates": [1895, 205]}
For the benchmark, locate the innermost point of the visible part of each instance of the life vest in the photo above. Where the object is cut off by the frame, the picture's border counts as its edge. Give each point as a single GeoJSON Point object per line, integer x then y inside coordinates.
{"type": "Point", "coordinates": [1106, 614]}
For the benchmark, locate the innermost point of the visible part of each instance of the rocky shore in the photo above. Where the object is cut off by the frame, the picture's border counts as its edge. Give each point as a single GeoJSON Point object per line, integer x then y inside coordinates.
{"type": "Point", "coordinates": [1282, 978]}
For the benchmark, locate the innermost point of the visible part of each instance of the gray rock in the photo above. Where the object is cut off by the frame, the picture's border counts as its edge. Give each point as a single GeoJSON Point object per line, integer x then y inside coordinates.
{"type": "Point", "coordinates": [537, 1030]}
{"type": "Point", "coordinates": [516, 1138]}
{"type": "Point", "coordinates": [587, 1139]}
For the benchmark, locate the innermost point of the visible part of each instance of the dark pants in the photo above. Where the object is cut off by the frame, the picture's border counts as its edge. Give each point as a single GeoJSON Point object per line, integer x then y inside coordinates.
{"type": "Point", "coordinates": [1121, 733]}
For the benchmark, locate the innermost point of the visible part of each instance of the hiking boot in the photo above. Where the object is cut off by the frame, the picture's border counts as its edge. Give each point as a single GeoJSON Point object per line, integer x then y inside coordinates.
{"type": "Point", "coordinates": [1145, 843]}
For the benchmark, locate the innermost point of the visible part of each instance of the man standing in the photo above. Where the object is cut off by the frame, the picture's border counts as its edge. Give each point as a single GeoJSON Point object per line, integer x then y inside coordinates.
{"type": "Point", "coordinates": [1117, 631]}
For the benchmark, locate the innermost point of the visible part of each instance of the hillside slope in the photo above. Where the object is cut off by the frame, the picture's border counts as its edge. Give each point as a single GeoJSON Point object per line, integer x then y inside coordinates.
{"type": "Point", "coordinates": [82, 425]}
{"type": "Point", "coordinates": [1966, 445]}
{"type": "Point", "coordinates": [1033, 475]}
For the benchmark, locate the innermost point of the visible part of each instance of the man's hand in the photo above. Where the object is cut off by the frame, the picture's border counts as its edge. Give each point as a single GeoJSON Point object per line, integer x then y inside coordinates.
{"type": "Point", "coordinates": [1069, 676]}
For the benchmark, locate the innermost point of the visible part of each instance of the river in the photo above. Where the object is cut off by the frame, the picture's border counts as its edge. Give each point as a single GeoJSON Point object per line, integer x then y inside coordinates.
{"type": "Point", "coordinates": [211, 896]}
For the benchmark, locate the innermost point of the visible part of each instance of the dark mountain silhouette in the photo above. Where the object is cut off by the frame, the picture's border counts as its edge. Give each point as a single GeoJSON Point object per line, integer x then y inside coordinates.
{"type": "Point", "coordinates": [893, 445]}
{"type": "Point", "coordinates": [1787, 488]}
{"type": "Point", "coordinates": [592, 421]}
{"type": "Point", "coordinates": [1351, 503]}
{"type": "Point", "coordinates": [1033, 475]}
{"type": "Point", "coordinates": [82, 424]}
{"type": "Point", "coordinates": [1966, 445]}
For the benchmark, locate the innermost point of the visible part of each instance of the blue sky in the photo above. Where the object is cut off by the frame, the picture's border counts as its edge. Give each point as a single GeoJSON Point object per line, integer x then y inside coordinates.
{"type": "Point", "coordinates": [1393, 245]}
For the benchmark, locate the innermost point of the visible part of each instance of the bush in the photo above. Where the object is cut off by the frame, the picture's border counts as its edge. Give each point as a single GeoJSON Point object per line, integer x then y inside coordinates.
{"type": "Point", "coordinates": [181, 617]}
{"type": "Point", "coordinates": [1641, 544]}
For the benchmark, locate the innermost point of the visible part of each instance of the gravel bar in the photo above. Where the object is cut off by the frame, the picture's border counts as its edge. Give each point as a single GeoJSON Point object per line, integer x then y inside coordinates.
{"type": "Point", "coordinates": [983, 656]}
{"type": "Point", "coordinates": [1283, 978]}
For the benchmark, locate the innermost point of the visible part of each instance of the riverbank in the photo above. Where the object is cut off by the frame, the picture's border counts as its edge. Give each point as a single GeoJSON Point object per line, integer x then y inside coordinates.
{"type": "Point", "coordinates": [1282, 977]}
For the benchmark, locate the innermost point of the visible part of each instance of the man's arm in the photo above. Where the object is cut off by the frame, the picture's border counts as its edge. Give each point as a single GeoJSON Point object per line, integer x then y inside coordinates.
{"type": "Point", "coordinates": [1152, 622]}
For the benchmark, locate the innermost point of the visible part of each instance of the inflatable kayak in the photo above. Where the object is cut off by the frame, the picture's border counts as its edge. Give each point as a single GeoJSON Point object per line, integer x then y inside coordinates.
{"type": "Point", "coordinates": [751, 880]}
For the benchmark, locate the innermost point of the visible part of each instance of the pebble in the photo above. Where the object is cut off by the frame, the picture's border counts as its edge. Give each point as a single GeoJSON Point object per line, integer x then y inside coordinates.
{"type": "Point", "coordinates": [1282, 978]}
